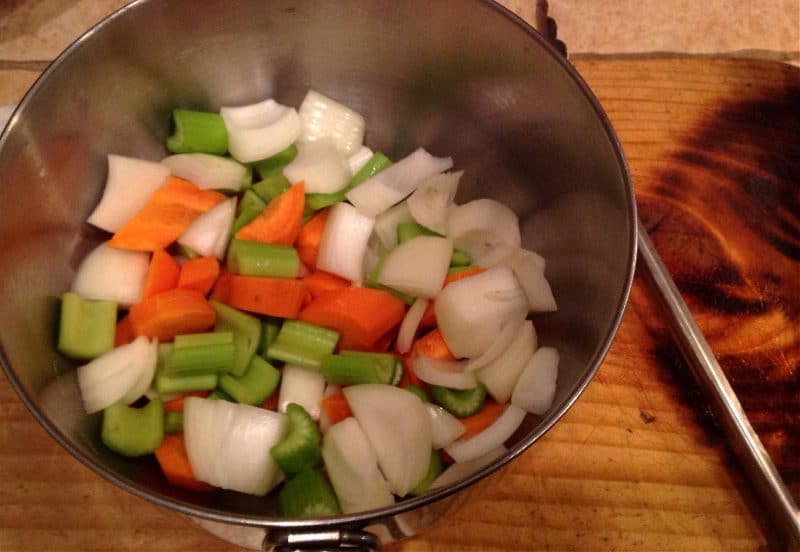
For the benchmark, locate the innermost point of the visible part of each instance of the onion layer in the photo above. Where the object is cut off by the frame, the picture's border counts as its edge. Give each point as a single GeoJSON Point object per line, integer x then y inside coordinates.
{"type": "Point", "coordinates": [321, 167]}
{"type": "Point", "coordinates": [110, 274]}
{"type": "Point", "coordinates": [500, 375]}
{"type": "Point", "coordinates": [445, 428]}
{"type": "Point", "coordinates": [447, 373]}
{"type": "Point", "coordinates": [209, 233]}
{"type": "Point", "coordinates": [408, 328]}
{"type": "Point", "coordinates": [479, 226]}
{"type": "Point", "coordinates": [207, 172]}
{"type": "Point", "coordinates": [260, 130]}
{"type": "Point", "coordinates": [461, 470]}
{"type": "Point", "coordinates": [488, 439]}
{"type": "Point", "coordinates": [418, 266]}
{"type": "Point", "coordinates": [536, 386]}
{"type": "Point", "coordinates": [344, 242]}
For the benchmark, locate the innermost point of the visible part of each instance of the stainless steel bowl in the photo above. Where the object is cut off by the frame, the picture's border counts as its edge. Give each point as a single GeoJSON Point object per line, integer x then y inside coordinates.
{"type": "Point", "coordinates": [466, 79]}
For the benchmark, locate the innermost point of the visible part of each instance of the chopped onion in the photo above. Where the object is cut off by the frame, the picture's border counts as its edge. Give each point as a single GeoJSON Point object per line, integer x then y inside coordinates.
{"type": "Point", "coordinates": [479, 226]}
{"type": "Point", "coordinates": [208, 172]}
{"type": "Point", "coordinates": [352, 466]}
{"type": "Point", "coordinates": [344, 242]}
{"type": "Point", "coordinates": [488, 439]}
{"type": "Point", "coordinates": [447, 373]}
{"type": "Point", "coordinates": [504, 338]}
{"type": "Point", "coordinates": [445, 428]}
{"type": "Point", "coordinates": [536, 386]}
{"type": "Point", "coordinates": [461, 470]}
{"type": "Point", "coordinates": [115, 375]}
{"type": "Point", "coordinates": [129, 184]}
{"type": "Point", "coordinates": [500, 375]}
{"type": "Point", "coordinates": [209, 233]}
{"type": "Point", "coordinates": [408, 328]}
{"type": "Point", "coordinates": [430, 202]}
{"type": "Point", "coordinates": [326, 118]}
{"type": "Point", "coordinates": [417, 266]}
{"type": "Point", "coordinates": [110, 274]}
{"type": "Point", "coordinates": [528, 267]}
{"type": "Point", "coordinates": [403, 446]}
{"type": "Point", "coordinates": [386, 224]}
{"type": "Point", "coordinates": [147, 363]}
{"type": "Point", "coordinates": [471, 312]}
{"type": "Point", "coordinates": [372, 254]}
{"type": "Point", "coordinates": [228, 444]}
{"type": "Point", "coordinates": [302, 386]}
{"type": "Point", "coordinates": [378, 193]}
{"type": "Point", "coordinates": [322, 168]}
{"type": "Point", "coordinates": [357, 161]}
{"type": "Point", "coordinates": [260, 130]}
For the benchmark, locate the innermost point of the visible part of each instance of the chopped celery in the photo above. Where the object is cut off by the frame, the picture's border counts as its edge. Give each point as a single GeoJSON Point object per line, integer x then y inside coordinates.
{"type": "Point", "coordinates": [435, 468]}
{"type": "Point", "coordinates": [184, 341]}
{"type": "Point", "coordinates": [276, 163]}
{"type": "Point", "coordinates": [164, 352]}
{"type": "Point", "coordinates": [269, 331]}
{"type": "Point", "coordinates": [255, 385]}
{"type": "Point", "coordinates": [247, 179]}
{"type": "Point", "coordinates": [220, 395]}
{"type": "Point", "coordinates": [372, 281]}
{"type": "Point", "coordinates": [133, 431]}
{"type": "Point", "coordinates": [181, 384]}
{"type": "Point", "coordinates": [197, 132]}
{"type": "Point", "coordinates": [251, 258]}
{"type": "Point", "coordinates": [249, 208]}
{"type": "Point", "coordinates": [374, 165]}
{"type": "Point", "coordinates": [408, 230]}
{"type": "Point", "coordinates": [246, 333]}
{"type": "Point", "coordinates": [173, 422]}
{"type": "Point", "coordinates": [459, 402]}
{"type": "Point", "coordinates": [355, 370]}
{"type": "Point", "coordinates": [460, 259]}
{"type": "Point", "coordinates": [418, 391]}
{"type": "Point", "coordinates": [308, 494]}
{"type": "Point", "coordinates": [87, 327]}
{"type": "Point", "coordinates": [299, 449]}
{"type": "Point", "coordinates": [271, 187]}
{"type": "Point", "coordinates": [302, 344]}
{"type": "Point", "coordinates": [198, 354]}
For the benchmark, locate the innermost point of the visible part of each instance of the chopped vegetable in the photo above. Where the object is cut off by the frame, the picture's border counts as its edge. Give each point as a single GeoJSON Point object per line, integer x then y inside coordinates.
{"type": "Point", "coordinates": [252, 258]}
{"type": "Point", "coordinates": [255, 385]}
{"type": "Point", "coordinates": [208, 172]}
{"type": "Point", "coordinates": [86, 327]}
{"type": "Point", "coordinates": [133, 431]}
{"type": "Point", "coordinates": [336, 407]}
{"type": "Point", "coordinates": [109, 274]}
{"type": "Point", "coordinates": [275, 163]}
{"type": "Point", "coordinates": [303, 344]}
{"type": "Point", "coordinates": [199, 274]}
{"type": "Point", "coordinates": [446, 373]}
{"type": "Point", "coordinates": [321, 166]}
{"type": "Point", "coordinates": [352, 369]}
{"type": "Point", "coordinates": [502, 373]}
{"type": "Point", "coordinates": [388, 223]}
{"type": "Point", "coordinates": [320, 282]}
{"type": "Point", "coordinates": [197, 132]}
{"type": "Point", "coordinates": [260, 130]}
{"type": "Point", "coordinates": [489, 412]}
{"type": "Point", "coordinates": [308, 494]}
{"type": "Point", "coordinates": [248, 209]}
{"type": "Point", "coordinates": [200, 354]}
{"type": "Point", "coordinates": [536, 386]}
{"type": "Point", "coordinates": [209, 233]}
{"type": "Point", "coordinates": [460, 403]}
{"type": "Point", "coordinates": [182, 384]}
{"type": "Point", "coordinates": [176, 404]}
{"type": "Point", "coordinates": [410, 229]}
{"type": "Point", "coordinates": [299, 450]}
{"type": "Point", "coordinates": [344, 242]}
{"type": "Point", "coordinates": [271, 186]}
{"type": "Point", "coordinates": [325, 118]}
{"type": "Point", "coordinates": [435, 468]}
{"type": "Point", "coordinates": [175, 465]}
{"type": "Point", "coordinates": [431, 202]}
{"type": "Point", "coordinates": [271, 296]}
{"type": "Point", "coordinates": [418, 266]}
{"type": "Point", "coordinates": [170, 313]}
{"type": "Point", "coordinates": [461, 470]}
{"type": "Point", "coordinates": [310, 237]}
{"type": "Point", "coordinates": [480, 225]}
{"type": "Point", "coordinates": [173, 422]}
{"type": "Point", "coordinates": [280, 222]}
{"type": "Point", "coordinates": [163, 274]}
{"type": "Point", "coordinates": [303, 386]}
{"type": "Point", "coordinates": [445, 428]}
{"type": "Point", "coordinates": [375, 164]}
{"type": "Point", "coordinates": [246, 333]}
{"type": "Point", "coordinates": [490, 438]}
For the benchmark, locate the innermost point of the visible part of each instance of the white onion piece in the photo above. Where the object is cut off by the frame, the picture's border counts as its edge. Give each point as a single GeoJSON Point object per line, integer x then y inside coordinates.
{"type": "Point", "coordinates": [429, 204]}
{"type": "Point", "coordinates": [386, 224]}
{"type": "Point", "coordinates": [471, 312]}
{"type": "Point", "coordinates": [352, 466]}
{"type": "Point", "coordinates": [357, 160]}
{"type": "Point", "coordinates": [228, 444]}
{"type": "Point", "coordinates": [488, 439]}
{"type": "Point", "coordinates": [302, 386]}
{"type": "Point", "coordinates": [324, 420]}
{"type": "Point", "coordinates": [447, 373]}
{"type": "Point", "coordinates": [403, 447]}
{"type": "Point", "coordinates": [322, 168]}
{"type": "Point", "coordinates": [408, 328]}
{"type": "Point", "coordinates": [114, 374]}
{"type": "Point", "coordinates": [260, 130]}
{"type": "Point", "coordinates": [344, 242]}
{"type": "Point", "coordinates": [536, 386]}
{"type": "Point", "coordinates": [504, 338]}
{"type": "Point", "coordinates": [500, 375]}
{"type": "Point", "coordinates": [461, 470]}
{"type": "Point", "coordinates": [110, 274]}
{"type": "Point", "coordinates": [129, 184]}
{"type": "Point", "coordinates": [324, 117]}
{"type": "Point", "coordinates": [479, 226]}
{"type": "Point", "coordinates": [147, 360]}
{"type": "Point", "coordinates": [391, 185]}
{"type": "Point", "coordinates": [209, 233]}
{"type": "Point", "coordinates": [208, 172]}
{"type": "Point", "coordinates": [445, 428]}
{"type": "Point", "coordinates": [372, 254]}
{"type": "Point", "coordinates": [417, 266]}
{"type": "Point", "coordinates": [528, 267]}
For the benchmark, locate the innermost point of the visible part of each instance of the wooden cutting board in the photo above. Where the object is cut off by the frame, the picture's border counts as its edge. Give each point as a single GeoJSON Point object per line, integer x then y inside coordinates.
{"type": "Point", "coordinates": [636, 464]}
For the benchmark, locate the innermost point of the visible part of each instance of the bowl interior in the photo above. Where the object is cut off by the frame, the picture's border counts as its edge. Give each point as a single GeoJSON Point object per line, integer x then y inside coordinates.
{"type": "Point", "coordinates": [460, 79]}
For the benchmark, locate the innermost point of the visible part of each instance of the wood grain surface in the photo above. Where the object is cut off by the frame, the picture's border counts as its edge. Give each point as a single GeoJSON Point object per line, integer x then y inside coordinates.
{"type": "Point", "coordinates": [635, 464]}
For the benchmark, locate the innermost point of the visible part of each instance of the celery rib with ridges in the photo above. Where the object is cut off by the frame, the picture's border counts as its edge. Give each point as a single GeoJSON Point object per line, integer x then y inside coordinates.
{"type": "Point", "coordinates": [251, 258]}
{"type": "Point", "coordinates": [299, 449]}
{"type": "Point", "coordinates": [87, 327]}
{"type": "Point", "coordinates": [302, 344]}
{"type": "Point", "coordinates": [356, 367]}
{"type": "Point", "coordinates": [197, 132]}
{"type": "Point", "coordinates": [198, 354]}
{"type": "Point", "coordinates": [255, 385]}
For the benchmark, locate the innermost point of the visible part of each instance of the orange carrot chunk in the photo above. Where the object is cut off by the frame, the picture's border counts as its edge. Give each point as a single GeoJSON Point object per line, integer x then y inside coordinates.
{"type": "Point", "coordinates": [336, 407]}
{"type": "Point", "coordinates": [310, 237]}
{"type": "Point", "coordinates": [476, 423]}
{"type": "Point", "coordinates": [170, 313]}
{"type": "Point", "coordinates": [280, 221]}
{"type": "Point", "coordinates": [177, 404]}
{"type": "Point", "coordinates": [165, 216]}
{"type": "Point", "coordinates": [320, 282]}
{"type": "Point", "coordinates": [279, 297]}
{"type": "Point", "coordinates": [433, 345]}
{"type": "Point", "coordinates": [428, 319]}
{"type": "Point", "coordinates": [174, 462]}
{"type": "Point", "coordinates": [361, 315]}
{"type": "Point", "coordinates": [199, 274]}
{"type": "Point", "coordinates": [222, 287]}
{"type": "Point", "coordinates": [162, 274]}
{"type": "Point", "coordinates": [124, 332]}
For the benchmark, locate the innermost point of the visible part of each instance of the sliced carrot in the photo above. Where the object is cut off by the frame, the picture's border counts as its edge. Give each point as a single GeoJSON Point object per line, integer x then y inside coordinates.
{"type": "Point", "coordinates": [320, 282]}
{"type": "Point", "coordinates": [361, 315]}
{"type": "Point", "coordinates": [176, 405]}
{"type": "Point", "coordinates": [279, 297]}
{"type": "Point", "coordinates": [174, 462]}
{"type": "Point", "coordinates": [428, 319]}
{"type": "Point", "coordinates": [476, 423]}
{"type": "Point", "coordinates": [385, 341]}
{"type": "Point", "coordinates": [169, 313]}
{"type": "Point", "coordinates": [280, 221]}
{"type": "Point", "coordinates": [337, 407]}
{"type": "Point", "coordinates": [222, 288]}
{"type": "Point", "coordinates": [199, 274]}
{"type": "Point", "coordinates": [310, 237]}
{"type": "Point", "coordinates": [433, 345]}
{"type": "Point", "coordinates": [168, 212]}
{"type": "Point", "coordinates": [124, 332]}
{"type": "Point", "coordinates": [162, 274]}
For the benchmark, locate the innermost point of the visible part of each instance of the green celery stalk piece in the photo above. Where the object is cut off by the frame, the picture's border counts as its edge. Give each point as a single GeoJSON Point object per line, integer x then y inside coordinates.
{"type": "Point", "coordinates": [173, 422]}
{"type": "Point", "coordinates": [355, 370]}
{"type": "Point", "coordinates": [308, 494]}
{"type": "Point", "coordinates": [276, 163]}
{"type": "Point", "coordinates": [173, 384]}
{"type": "Point", "coordinates": [220, 395]}
{"type": "Point", "coordinates": [202, 359]}
{"type": "Point", "coordinates": [299, 450]}
{"type": "Point", "coordinates": [302, 344]}
{"type": "Point", "coordinates": [86, 329]}
{"type": "Point", "coordinates": [255, 385]}
{"type": "Point", "coordinates": [408, 230]}
{"type": "Point", "coordinates": [460, 258]}
{"type": "Point", "coordinates": [184, 341]}
{"type": "Point", "coordinates": [246, 333]}
{"type": "Point", "coordinates": [247, 179]}
{"type": "Point", "coordinates": [133, 431]}
{"type": "Point", "coordinates": [435, 468]}
{"type": "Point", "coordinates": [418, 391]}
{"type": "Point", "coordinates": [249, 208]}
{"type": "Point", "coordinates": [164, 352]}
{"type": "Point", "coordinates": [271, 187]}
{"type": "Point", "coordinates": [269, 331]}
{"type": "Point", "coordinates": [251, 258]}
{"type": "Point", "coordinates": [456, 269]}
{"type": "Point", "coordinates": [373, 166]}
{"type": "Point", "coordinates": [197, 132]}
{"type": "Point", "coordinates": [459, 402]}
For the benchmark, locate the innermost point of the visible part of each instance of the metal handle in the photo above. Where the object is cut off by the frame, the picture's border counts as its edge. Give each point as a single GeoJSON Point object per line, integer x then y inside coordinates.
{"type": "Point", "coordinates": [321, 541]}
